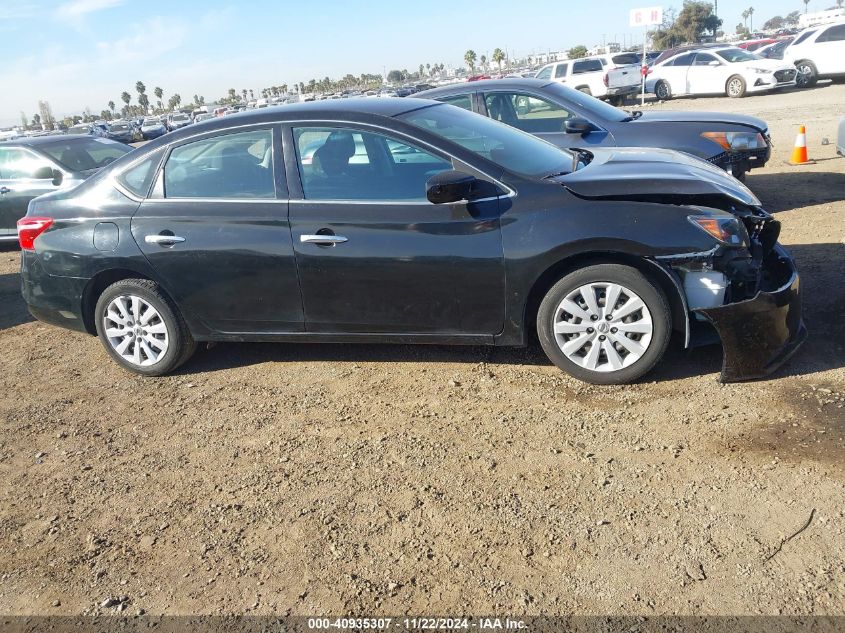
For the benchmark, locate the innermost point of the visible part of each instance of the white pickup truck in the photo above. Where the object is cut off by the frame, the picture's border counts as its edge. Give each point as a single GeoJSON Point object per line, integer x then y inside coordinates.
{"type": "Point", "coordinates": [611, 77]}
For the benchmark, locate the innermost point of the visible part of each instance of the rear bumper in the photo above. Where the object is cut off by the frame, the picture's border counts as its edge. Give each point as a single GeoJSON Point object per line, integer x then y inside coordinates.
{"type": "Point", "coordinates": [624, 90]}
{"type": "Point", "coordinates": [760, 334]}
{"type": "Point", "coordinates": [54, 300]}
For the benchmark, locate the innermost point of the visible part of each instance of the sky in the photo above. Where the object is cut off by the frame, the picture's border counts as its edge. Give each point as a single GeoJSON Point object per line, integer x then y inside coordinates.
{"type": "Point", "coordinates": [83, 53]}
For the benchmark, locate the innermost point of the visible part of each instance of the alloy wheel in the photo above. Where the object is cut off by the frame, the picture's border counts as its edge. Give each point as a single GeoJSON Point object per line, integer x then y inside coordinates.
{"type": "Point", "coordinates": [735, 87]}
{"type": "Point", "coordinates": [603, 327]}
{"type": "Point", "coordinates": [135, 330]}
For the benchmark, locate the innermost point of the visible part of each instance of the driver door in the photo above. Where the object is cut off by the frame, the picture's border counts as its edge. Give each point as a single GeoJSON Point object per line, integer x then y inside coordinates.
{"type": "Point", "coordinates": [373, 254]}
{"type": "Point", "coordinates": [20, 182]}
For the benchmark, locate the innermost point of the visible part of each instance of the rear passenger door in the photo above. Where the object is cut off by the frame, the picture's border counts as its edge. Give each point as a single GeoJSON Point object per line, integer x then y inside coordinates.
{"type": "Point", "coordinates": [215, 229]}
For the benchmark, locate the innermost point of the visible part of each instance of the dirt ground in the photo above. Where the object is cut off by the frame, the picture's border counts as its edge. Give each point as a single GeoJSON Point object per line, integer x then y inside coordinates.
{"type": "Point", "coordinates": [356, 479]}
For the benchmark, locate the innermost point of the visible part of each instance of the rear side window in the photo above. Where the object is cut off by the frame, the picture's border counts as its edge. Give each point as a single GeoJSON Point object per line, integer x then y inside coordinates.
{"type": "Point", "coordinates": [586, 66]}
{"type": "Point", "coordinates": [560, 71]}
{"type": "Point", "coordinates": [461, 101]}
{"type": "Point", "coordinates": [139, 178]}
{"type": "Point", "coordinates": [803, 37]}
{"type": "Point", "coordinates": [545, 73]}
{"type": "Point", "coordinates": [227, 166]}
{"type": "Point", "coordinates": [682, 60]}
{"type": "Point", "coordinates": [833, 34]}
{"type": "Point", "coordinates": [626, 58]}
{"type": "Point", "coordinates": [703, 59]}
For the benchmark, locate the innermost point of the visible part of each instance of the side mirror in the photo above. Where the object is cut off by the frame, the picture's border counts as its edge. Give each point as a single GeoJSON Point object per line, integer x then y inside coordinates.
{"type": "Point", "coordinates": [58, 177]}
{"type": "Point", "coordinates": [43, 173]}
{"type": "Point", "coordinates": [449, 186]}
{"type": "Point", "coordinates": [578, 126]}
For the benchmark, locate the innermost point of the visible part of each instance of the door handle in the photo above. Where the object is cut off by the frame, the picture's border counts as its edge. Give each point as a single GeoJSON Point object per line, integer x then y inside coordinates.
{"type": "Point", "coordinates": [163, 240]}
{"type": "Point", "coordinates": [322, 240]}
{"type": "Point", "coordinates": [4, 190]}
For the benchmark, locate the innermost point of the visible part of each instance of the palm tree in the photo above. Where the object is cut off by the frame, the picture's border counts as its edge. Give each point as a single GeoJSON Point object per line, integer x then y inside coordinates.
{"type": "Point", "coordinates": [839, 3]}
{"type": "Point", "coordinates": [484, 62]}
{"type": "Point", "coordinates": [140, 87]}
{"type": "Point", "coordinates": [498, 57]}
{"type": "Point", "coordinates": [751, 17]}
{"type": "Point", "coordinates": [469, 59]}
{"type": "Point", "coordinates": [243, 93]}
{"type": "Point", "coordinates": [159, 93]}
{"type": "Point", "coordinates": [126, 98]}
{"type": "Point", "coordinates": [745, 18]}
{"type": "Point", "coordinates": [232, 93]}
{"type": "Point", "coordinates": [111, 107]}
{"type": "Point", "coordinates": [806, 5]}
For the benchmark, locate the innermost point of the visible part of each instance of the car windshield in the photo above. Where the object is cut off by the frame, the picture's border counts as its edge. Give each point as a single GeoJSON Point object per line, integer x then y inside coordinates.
{"type": "Point", "coordinates": [180, 117]}
{"type": "Point", "coordinates": [83, 154]}
{"type": "Point", "coordinates": [79, 129]}
{"type": "Point", "coordinates": [735, 55]}
{"type": "Point", "coordinates": [590, 105]}
{"type": "Point", "coordinates": [501, 144]}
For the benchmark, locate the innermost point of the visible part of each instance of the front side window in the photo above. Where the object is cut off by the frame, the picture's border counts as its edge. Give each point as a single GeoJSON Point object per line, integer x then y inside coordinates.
{"type": "Point", "coordinates": [833, 34]}
{"type": "Point", "coordinates": [348, 164]}
{"type": "Point", "coordinates": [526, 112]}
{"type": "Point", "coordinates": [545, 73]}
{"type": "Point", "coordinates": [502, 145]}
{"type": "Point", "coordinates": [461, 101]}
{"type": "Point", "coordinates": [84, 154]}
{"type": "Point", "coordinates": [20, 164]}
{"type": "Point", "coordinates": [703, 59]}
{"type": "Point", "coordinates": [560, 71]}
{"type": "Point", "coordinates": [803, 37]}
{"type": "Point", "coordinates": [233, 166]}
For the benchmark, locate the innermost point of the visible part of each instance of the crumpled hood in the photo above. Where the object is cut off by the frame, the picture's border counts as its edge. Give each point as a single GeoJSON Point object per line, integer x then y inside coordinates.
{"type": "Point", "coordinates": [637, 173]}
{"type": "Point", "coordinates": [702, 117]}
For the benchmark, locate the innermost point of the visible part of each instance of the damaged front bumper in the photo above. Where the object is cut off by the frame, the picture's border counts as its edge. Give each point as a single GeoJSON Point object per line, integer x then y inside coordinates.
{"type": "Point", "coordinates": [759, 334]}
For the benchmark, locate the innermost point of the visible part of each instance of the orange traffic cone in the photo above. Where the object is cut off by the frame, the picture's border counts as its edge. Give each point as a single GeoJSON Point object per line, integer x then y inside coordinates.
{"type": "Point", "coordinates": [799, 152]}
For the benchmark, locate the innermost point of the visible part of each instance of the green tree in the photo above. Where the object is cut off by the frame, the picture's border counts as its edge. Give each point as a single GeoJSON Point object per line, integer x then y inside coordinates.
{"type": "Point", "coordinates": [159, 93]}
{"type": "Point", "coordinates": [806, 5]}
{"type": "Point", "coordinates": [484, 62]}
{"type": "Point", "coordinates": [498, 57]}
{"type": "Point", "coordinates": [111, 106]}
{"type": "Point", "coordinates": [695, 19]}
{"type": "Point", "coordinates": [140, 88]}
{"type": "Point", "coordinates": [791, 19]}
{"type": "Point", "coordinates": [126, 98]}
{"type": "Point", "coordinates": [394, 76]}
{"type": "Point", "coordinates": [24, 120]}
{"type": "Point", "coordinates": [751, 18]}
{"type": "Point", "coordinates": [577, 52]}
{"type": "Point", "coordinates": [469, 59]}
{"type": "Point", "coordinates": [772, 24]}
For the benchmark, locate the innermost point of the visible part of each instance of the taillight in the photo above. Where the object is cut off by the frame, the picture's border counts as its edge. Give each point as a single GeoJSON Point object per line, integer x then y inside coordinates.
{"type": "Point", "coordinates": [31, 228]}
{"type": "Point", "coordinates": [606, 81]}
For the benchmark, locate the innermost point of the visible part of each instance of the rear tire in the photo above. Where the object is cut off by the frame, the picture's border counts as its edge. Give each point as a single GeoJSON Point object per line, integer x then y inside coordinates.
{"type": "Point", "coordinates": [735, 88]}
{"type": "Point", "coordinates": [597, 342]}
{"type": "Point", "coordinates": [141, 329]}
{"type": "Point", "coordinates": [662, 91]}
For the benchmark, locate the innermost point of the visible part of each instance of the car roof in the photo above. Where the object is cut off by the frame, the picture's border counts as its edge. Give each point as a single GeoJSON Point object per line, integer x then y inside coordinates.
{"type": "Point", "coordinates": [485, 84]}
{"type": "Point", "coordinates": [34, 141]}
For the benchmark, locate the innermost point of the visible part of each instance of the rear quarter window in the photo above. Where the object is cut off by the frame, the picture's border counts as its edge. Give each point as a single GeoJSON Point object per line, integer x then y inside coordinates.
{"type": "Point", "coordinates": [139, 178]}
{"type": "Point", "coordinates": [586, 66]}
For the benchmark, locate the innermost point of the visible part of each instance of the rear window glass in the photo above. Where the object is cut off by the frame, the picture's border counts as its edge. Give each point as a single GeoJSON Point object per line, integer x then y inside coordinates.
{"type": "Point", "coordinates": [586, 66]}
{"type": "Point", "coordinates": [626, 58]}
{"type": "Point", "coordinates": [83, 154]}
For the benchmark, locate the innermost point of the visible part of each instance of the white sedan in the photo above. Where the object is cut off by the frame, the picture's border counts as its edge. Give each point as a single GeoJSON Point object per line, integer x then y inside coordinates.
{"type": "Point", "coordinates": [730, 71]}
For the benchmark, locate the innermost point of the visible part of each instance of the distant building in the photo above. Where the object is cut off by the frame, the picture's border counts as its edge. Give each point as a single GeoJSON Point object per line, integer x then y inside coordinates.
{"type": "Point", "coordinates": [820, 17]}
{"type": "Point", "coordinates": [546, 58]}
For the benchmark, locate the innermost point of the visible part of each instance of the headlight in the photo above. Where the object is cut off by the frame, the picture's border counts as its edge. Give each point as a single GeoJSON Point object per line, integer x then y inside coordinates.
{"type": "Point", "coordinates": [736, 140]}
{"type": "Point", "coordinates": [728, 231]}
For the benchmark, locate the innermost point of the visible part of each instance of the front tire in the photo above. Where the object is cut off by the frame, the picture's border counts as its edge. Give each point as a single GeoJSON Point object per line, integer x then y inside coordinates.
{"type": "Point", "coordinates": [808, 75]}
{"type": "Point", "coordinates": [606, 324]}
{"type": "Point", "coordinates": [141, 329]}
{"type": "Point", "coordinates": [735, 88]}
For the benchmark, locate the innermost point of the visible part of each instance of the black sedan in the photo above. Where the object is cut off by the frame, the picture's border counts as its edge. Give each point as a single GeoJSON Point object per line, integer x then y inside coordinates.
{"type": "Point", "coordinates": [30, 167]}
{"type": "Point", "coordinates": [569, 118]}
{"type": "Point", "coordinates": [407, 220]}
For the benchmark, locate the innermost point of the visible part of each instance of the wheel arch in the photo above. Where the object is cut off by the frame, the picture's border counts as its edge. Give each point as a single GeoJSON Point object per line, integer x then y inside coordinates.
{"type": "Point", "coordinates": [664, 278]}
{"type": "Point", "coordinates": [97, 285]}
